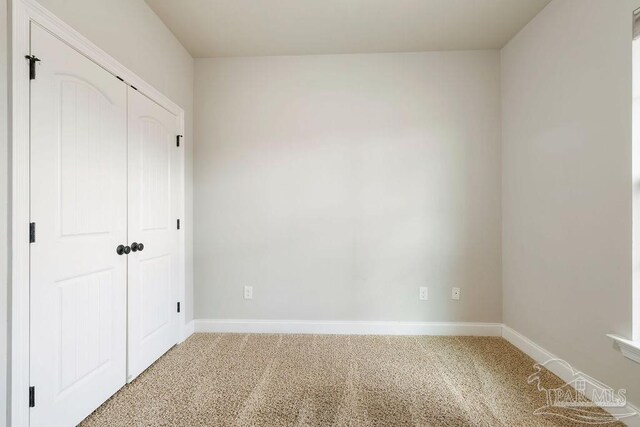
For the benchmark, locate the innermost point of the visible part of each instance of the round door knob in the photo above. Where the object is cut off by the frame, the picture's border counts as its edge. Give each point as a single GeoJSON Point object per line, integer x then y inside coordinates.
{"type": "Point", "coordinates": [140, 246]}
{"type": "Point", "coordinates": [134, 247]}
{"type": "Point", "coordinates": [127, 250]}
{"type": "Point", "coordinates": [120, 250]}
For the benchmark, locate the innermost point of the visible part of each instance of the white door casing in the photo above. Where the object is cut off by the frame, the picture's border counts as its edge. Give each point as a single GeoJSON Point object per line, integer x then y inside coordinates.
{"type": "Point", "coordinates": [24, 14]}
{"type": "Point", "coordinates": [153, 213]}
{"type": "Point", "coordinates": [79, 205]}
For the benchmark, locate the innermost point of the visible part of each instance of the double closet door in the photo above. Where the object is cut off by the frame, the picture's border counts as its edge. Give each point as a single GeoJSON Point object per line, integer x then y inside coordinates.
{"type": "Point", "coordinates": [104, 273]}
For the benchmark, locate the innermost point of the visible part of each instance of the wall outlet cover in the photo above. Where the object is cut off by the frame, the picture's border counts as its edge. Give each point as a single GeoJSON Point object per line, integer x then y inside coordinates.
{"type": "Point", "coordinates": [455, 293]}
{"type": "Point", "coordinates": [424, 293]}
{"type": "Point", "coordinates": [248, 292]}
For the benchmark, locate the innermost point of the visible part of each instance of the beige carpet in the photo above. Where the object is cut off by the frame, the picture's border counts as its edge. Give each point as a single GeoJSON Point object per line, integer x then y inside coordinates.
{"type": "Point", "coordinates": [323, 380]}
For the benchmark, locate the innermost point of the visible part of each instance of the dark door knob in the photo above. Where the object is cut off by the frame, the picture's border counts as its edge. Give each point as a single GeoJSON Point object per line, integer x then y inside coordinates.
{"type": "Point", "coordinates": [127, 249]}
{"type": "Point", "coordinates": [120, 250]}
{"type": "Point", "coordinates": [140, 246]}
{"type": "Point", "coordinates": [134, 247]}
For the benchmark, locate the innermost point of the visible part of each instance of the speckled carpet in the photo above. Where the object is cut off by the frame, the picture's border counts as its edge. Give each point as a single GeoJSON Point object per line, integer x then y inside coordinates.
{"type": "Point", "coordinates": [328, 380]}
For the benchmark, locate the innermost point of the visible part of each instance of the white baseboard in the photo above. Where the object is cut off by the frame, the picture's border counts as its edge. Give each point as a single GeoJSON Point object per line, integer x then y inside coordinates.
{"type": "Point", "coordinates": [564, 372]}
{"type": "Point", "coordinates": [527, 346]}
{"type": "Point", "coordinates": [347, 327]}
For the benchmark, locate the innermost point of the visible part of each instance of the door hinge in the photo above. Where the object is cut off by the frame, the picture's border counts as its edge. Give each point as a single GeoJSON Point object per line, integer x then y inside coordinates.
{"type": "Point", "coordinates": [32, 232]}
{"type": "Point", "coordinates": [178, 307]}
{"type": "Point", "coordinates": [178, 140]}
{"type": "Point", "coordinates": [32, 66]}
{"type": "Point", "coordinates": [32, 397]}
{"type": "Point", "coordinates": [178, 224]}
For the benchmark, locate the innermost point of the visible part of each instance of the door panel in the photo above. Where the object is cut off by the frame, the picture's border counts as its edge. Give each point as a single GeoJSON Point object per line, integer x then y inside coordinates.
{"type": "Point", "coordinates": [79, 205]}
{"type": "Point", "coordinates": [85, 323]}
{"type": "Point", "coordinates": [83, 130]}
{"type": "Point", "coordinates": [155, 288]}
{"type": "Point", "coordinates": [155, 148]}
{"type": "Point", "coordinates": [153, 271]}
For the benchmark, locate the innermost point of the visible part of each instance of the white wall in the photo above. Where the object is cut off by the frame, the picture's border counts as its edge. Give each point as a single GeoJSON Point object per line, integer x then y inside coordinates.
{"type": "Point", "coordinates": [131, 32]}
{"type": "Point", "coordinates": [4, 194]}
{"type": "Point", "coordinates": [337, 185]}
{"type": "Point", "coordinates": [566, 128]}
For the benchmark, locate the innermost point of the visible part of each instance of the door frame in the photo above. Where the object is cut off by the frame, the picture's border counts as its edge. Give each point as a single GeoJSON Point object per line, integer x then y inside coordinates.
{"type": "Point", "coordinates": [22, 13]}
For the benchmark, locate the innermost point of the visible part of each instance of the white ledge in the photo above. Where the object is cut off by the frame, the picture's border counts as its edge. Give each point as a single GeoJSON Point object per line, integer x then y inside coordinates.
{"type": "Point", "coordinates": [630, 349]}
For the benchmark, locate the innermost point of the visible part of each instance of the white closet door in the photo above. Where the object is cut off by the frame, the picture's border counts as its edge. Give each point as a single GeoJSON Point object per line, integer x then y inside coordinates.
{"type": "Point", "coordinates": [78, 203]}
{"type": "Point", "coordinates": [153, 271]}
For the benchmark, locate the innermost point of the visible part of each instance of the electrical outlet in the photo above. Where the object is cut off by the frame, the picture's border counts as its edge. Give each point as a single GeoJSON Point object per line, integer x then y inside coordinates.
{"type": "Point", "coordinates": [424, 293]}
{"type": "Point", "coordinates": [248, 292]}
{"type": "Point", "coordinates": [455, 293]}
